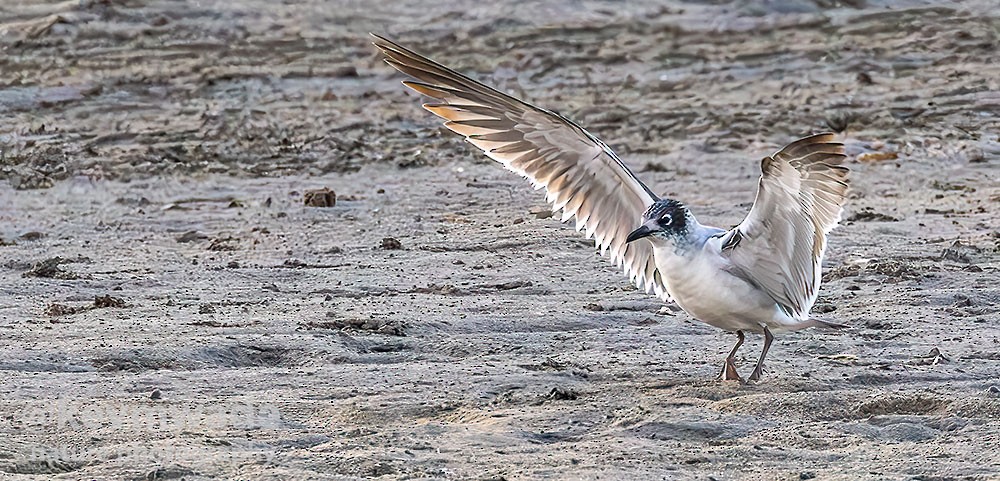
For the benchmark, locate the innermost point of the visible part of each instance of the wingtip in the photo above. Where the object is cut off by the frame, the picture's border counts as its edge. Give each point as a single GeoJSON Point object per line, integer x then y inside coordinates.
{"type": "Point", "coordinates": [825, 136]}
{"type": "Point", "coordinates": [381, 42]}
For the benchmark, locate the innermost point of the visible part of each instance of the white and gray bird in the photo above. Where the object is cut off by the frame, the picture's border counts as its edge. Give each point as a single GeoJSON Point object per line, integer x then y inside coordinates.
{"type": "Point", "coordinates": [761, 276]}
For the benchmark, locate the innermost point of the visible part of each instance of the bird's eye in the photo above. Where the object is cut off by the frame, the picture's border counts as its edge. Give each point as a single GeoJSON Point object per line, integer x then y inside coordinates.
{"type": "Point", "coordinates": [666, 219]}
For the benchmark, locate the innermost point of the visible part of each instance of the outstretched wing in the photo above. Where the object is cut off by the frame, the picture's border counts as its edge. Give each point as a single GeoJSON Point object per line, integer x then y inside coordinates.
{"type": "Point", "coordinates": [580, 174]}
{"type": "Point", "coordinates": [779, 246]}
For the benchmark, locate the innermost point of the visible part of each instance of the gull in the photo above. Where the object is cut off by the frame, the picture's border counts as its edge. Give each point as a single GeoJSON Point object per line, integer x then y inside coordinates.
{"type": "Point", "coordinates": [761, 276]}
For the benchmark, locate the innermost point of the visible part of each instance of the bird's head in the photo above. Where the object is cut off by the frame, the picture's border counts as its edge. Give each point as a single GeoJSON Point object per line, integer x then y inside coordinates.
{"type": "Point", "coordinates": [666, 219]}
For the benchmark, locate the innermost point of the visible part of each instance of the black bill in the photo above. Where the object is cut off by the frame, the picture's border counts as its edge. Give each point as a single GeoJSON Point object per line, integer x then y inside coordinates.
{"type": "Point", "coordinates": [642, 231]}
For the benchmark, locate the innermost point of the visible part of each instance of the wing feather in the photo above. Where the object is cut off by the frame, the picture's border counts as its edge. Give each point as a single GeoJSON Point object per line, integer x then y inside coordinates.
{"type": "Point", "coordinates": [779, 246]}
{"type": "Point", "coordinates": [580, 174]}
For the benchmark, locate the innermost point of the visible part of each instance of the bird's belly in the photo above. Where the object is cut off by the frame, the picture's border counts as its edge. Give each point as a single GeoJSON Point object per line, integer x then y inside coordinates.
{"type": "Point", "coordinates": [710, 294]}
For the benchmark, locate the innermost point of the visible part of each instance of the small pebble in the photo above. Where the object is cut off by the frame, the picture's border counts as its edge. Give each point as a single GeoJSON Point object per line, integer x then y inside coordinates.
{"type": "Point", "coordinates": [391, 244]}
{"type": "Point", "coordinates": [320, 198]}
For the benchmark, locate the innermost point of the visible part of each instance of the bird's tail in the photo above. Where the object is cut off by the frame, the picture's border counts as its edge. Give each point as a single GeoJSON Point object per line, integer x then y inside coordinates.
{"type": "Point", "coordinates": [826, 324]}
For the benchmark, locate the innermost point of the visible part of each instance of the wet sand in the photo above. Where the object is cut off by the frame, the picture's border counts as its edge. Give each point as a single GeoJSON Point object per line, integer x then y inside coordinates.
{"type": "Point", "coordinates": [172, 310]}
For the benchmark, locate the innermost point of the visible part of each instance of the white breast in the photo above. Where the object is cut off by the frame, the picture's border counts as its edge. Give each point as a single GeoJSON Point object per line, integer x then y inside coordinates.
{"type": "Point", "coordinates": [700, 284]}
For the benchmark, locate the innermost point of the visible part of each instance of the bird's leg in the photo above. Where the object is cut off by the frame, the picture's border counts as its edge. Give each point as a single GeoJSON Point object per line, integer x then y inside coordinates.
{"type": "Point", "coordinates": [757, 371]}
{"type": "Point", "coordinates": [729, 368]}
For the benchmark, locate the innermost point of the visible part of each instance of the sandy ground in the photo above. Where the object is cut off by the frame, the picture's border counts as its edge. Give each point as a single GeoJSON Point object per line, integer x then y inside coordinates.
{"type": "Point", "coordinates": [170, 309]}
